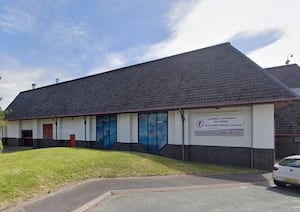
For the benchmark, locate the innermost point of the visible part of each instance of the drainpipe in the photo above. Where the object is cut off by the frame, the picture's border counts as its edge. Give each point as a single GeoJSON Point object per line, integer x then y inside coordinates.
{"type": "Point", "coordinates": [84, 121]}
{"type": "Point", "coordinates": [182, 120]}
{"type": "Point", "coordinates": [56, 129]}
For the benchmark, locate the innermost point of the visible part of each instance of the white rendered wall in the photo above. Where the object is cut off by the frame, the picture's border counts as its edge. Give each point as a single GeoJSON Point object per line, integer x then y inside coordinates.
{"type": "Point", "coordinates": [221, 140]}
{"type": "Point", "coordinates": [263, 126]}
{"type": "Point", "coordinates": [70, 126]}
{"type": "Point", "coordinates": [127, 128]}
{"type": "Point", "coordinates": [260, 136]}
{"type": "Point", "coordinates": [92, 128]}
{"type": "Point", "coordinates": [26, 124]}
{"type": "Point", "coordinates": [134, 128]}
{"type": "Point", "coordinates": [40, 124]}
{"type": "Point", "coordinates": [12, 129]}
{"type": "Point", "coordinates": [175, 127]}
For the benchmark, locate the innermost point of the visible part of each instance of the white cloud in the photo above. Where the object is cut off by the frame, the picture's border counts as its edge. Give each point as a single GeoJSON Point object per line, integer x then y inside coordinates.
{"type": "Point", "coordinates": [16, 77]}
{"type": "Point", "coordinates": [109, 62]}
{"type": "Point", "coordinates": [192, 25]}
{"type": "Point", "coordinates": [210, 22]}
{"type": "Point", "coordinates": [28, 16]}
{"type": "Point", "coordinates": [14, 81]}
{"type": "Point", "coordinates": [14, 19]}
{"type": "Point", "coordinates": [66, 33]}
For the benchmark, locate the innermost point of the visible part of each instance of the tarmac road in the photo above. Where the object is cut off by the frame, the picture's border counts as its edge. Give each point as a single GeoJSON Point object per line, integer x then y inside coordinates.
{"type": "Point", "coordinates": [221, 198]}
{"type": "Point", "coordinates": [78, 195]}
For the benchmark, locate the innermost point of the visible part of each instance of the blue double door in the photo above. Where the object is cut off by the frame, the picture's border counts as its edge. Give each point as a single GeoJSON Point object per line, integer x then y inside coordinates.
{"type": "Point", "coordinates": [106, 130]}
{"type": "Point", "coordinates": [153, 131]}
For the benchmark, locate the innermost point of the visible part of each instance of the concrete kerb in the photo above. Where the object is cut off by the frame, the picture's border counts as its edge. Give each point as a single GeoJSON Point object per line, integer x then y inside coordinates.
{"type": "Point", "coordinates": [108, 194]}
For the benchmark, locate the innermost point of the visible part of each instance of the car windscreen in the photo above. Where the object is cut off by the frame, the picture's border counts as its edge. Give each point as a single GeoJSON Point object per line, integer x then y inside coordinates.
{"type": "Point", "coordinates": [290, 162]}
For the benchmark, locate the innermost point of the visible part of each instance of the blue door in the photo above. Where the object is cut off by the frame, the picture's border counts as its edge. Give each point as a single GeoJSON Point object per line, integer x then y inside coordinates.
{"type": "Point", "coordinates": [106, 130]}
{"type": "Point", "coordinates": [153, 131]}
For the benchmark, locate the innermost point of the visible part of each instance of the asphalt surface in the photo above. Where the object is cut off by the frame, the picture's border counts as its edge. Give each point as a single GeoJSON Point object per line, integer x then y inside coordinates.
{"type": "Point", "coordinates": [85, 195]}
{"type": "Point", "coordinates": [221, 198]}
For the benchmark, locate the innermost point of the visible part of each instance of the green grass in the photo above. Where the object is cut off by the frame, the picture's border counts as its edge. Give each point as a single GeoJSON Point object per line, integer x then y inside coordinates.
{"type": "Point", "coordinates": [32, 173]}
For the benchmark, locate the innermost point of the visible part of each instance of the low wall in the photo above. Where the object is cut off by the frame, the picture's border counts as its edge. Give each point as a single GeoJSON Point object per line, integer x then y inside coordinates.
{"type": "Point", "coordinates": [233, 156]}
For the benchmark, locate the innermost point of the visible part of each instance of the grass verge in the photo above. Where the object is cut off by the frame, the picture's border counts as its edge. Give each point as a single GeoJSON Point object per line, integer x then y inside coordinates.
{"type": "Point", "coordinates": [28, 174]}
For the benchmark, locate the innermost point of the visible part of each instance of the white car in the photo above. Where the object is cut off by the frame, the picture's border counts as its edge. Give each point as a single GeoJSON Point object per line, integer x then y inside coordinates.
{"type": "Point", "coordinates": [287, 171]}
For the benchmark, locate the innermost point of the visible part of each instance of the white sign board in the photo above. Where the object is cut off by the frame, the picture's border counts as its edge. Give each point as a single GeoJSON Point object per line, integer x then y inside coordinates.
{"type": "Point", "coordinates": [220, 125]}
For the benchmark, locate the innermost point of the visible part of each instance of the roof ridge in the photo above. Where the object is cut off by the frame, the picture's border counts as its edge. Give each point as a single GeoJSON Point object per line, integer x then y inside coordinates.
{"type": "Point", "coordinates": [294, 64]}
{"type": "Point", "coordinates": [267, 73]}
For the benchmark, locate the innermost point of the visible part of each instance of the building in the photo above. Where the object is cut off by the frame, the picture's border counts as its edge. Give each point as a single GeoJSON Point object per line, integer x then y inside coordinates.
{"type": "Point", "coordinates": [287, 120]}
{"type": "Point", "coordinates": [210, 105]}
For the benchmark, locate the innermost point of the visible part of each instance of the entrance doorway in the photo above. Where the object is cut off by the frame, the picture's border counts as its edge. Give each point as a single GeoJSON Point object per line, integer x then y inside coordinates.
{"type": "Point", "coordinates": [48, 131]}
{"type": "Point", "coordinates": [27, 138]}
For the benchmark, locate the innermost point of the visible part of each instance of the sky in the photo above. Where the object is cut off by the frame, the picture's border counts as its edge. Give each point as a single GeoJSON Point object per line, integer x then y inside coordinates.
{"type": "Point", "coordinates": [45, 40]}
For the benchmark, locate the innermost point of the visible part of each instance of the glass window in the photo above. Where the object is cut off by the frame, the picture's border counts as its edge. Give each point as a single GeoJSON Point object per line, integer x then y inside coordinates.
{"type": "Point", "coordinates": [106, 130]}
{"type": "Point", "coordinates": [153, 130]}
{"type": "Point", "coordinates": [296, 139]}
{"type": "Point", "coordinates": [290, 163]}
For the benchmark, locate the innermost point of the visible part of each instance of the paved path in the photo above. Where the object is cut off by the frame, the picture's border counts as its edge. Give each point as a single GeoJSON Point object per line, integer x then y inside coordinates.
{"type": "Point", "coordinates": [76, 196]}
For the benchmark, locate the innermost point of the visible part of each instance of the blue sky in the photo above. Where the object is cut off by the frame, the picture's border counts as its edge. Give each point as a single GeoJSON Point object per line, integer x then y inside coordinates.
{"type": "Point", "coordinates": [42, 40]}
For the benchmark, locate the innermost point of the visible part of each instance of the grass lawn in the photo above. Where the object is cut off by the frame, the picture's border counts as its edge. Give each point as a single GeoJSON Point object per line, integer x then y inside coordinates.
{"type": "Point", "coordinates": [28, 174]}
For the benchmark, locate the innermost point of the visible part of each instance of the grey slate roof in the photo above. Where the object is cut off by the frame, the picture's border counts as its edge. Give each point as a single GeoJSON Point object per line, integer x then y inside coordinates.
{"type": "Point", "coordinates": [288, 74]}
{"type": "Point", "coordinates": [213, 76]}
{"type": "Point", "coordinates": [287, 120]}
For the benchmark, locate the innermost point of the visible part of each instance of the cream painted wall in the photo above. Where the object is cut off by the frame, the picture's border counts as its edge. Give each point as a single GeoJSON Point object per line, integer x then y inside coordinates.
{"type": "Point", "coordinates": [134, 128]}
{"type": "Point", "coordinates": [263, 127]}
{"type": "Point", "coordinates": [174, 127]}
{"type": "Point", "coordinates": [72, 126]}
{"type": "Point", "coordinates": [65, 127]}
{"type": "Point", "coordinates": [12, 129]}
{"type": "Point", "coordinates": [26, 125]}
{"type": "Point", "coordinates": [127, 128]}
{"type": "Point", "coordinates": [92, 128]}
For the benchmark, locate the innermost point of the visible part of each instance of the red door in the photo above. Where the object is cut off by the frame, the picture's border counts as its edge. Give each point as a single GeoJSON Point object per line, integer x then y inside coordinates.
{"type": "Point", "coordinates": [48, 131]}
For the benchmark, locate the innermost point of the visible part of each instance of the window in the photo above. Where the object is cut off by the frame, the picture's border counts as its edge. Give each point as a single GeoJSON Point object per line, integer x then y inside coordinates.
{"type": "Point", "coordinates": [27, 137]}
{"type": "Point", "coordinates": [106, 130]}
{"type": "Point", "coordinates": [297, 139]}
{"type": "Point", "coordinates": [153, 130]}
{"type": "Point", "coordinates": [290, 163]}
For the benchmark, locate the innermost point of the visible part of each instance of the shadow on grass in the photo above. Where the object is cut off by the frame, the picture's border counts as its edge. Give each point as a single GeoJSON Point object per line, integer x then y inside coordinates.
{"type": "Point", "coordinates": [11, 149]}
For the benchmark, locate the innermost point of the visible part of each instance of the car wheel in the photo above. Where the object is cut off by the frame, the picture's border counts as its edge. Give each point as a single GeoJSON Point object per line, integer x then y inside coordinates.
{"type": "Point", "coordinates": [278, 183]}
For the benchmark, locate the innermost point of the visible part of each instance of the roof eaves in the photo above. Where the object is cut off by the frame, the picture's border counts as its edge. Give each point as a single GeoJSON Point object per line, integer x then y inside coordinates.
{"type": "Point", "coordinates": [202, 106]}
